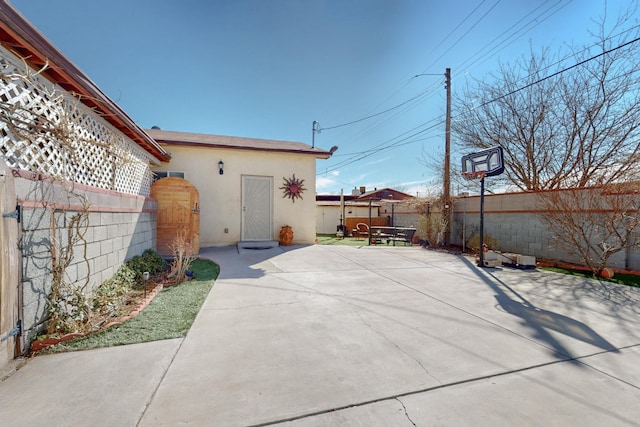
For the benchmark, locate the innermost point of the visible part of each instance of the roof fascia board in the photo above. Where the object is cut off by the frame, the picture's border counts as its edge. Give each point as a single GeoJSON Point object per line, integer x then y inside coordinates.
{"type": "Point", "coordinates": [320, 154]}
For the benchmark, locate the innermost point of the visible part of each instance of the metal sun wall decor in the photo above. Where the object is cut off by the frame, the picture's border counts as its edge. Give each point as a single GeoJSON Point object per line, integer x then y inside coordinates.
{"type": "Point", "coordinates": [293, 188]}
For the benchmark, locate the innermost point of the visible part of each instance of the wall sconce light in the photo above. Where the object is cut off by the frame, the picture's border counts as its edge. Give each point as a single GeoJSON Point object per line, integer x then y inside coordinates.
{"type": "Point", "coordinates": [220, 167]}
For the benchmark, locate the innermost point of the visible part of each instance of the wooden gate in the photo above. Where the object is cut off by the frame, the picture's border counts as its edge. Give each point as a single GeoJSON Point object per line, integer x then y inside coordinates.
{"type": "Point", "coordinates": [10, 264]}
{"type": "Point", "coordinates": [178, 211]}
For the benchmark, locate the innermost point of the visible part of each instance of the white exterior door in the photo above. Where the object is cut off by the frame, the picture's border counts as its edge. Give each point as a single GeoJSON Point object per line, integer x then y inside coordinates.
{"type": "Point", "coordinates": [257, 208]}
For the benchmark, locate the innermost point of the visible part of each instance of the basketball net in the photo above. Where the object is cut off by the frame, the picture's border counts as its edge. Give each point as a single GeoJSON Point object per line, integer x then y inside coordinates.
{"type": "Point", "coordinates": [473, 175]}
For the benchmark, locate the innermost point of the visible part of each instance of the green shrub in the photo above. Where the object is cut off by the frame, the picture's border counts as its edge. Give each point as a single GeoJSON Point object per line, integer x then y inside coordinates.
{"type": "Point", "coordinates": [489, 240]}
{"type": "Point", "coordinates": [126, 276]}
{"type": "Point", "coordinates": [113, 292]}
{"type": "Point", "coordinates": [149, 261]}
{"type": "Point", "coordinates": [68, 309]}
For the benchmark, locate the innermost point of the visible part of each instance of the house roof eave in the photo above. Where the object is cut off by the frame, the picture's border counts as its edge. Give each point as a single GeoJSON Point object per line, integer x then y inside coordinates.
{"type": "Point", "coordinates": [20, 37]}
{"type": "Point", "coordinates": [234, 143]}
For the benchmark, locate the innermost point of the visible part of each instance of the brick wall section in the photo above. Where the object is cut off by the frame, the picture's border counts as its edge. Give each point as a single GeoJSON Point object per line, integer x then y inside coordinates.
{"type": "Point", "coordinates": [514, 221]}
{"type": "Point", "coordinates": [120, 226]}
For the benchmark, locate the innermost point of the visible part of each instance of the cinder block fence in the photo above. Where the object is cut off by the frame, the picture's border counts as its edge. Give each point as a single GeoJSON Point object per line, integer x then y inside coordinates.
{"type": "Point", "coordinates": [118, 226]}
{"type": "Point", "coordinates": [514, 220]}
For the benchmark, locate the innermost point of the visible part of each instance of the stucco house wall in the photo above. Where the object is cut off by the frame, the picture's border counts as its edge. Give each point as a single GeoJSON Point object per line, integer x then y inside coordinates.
{"type": "Point", "coordinates": [221, 195]}
{"type": "Point", "coordinates": [105, 160]}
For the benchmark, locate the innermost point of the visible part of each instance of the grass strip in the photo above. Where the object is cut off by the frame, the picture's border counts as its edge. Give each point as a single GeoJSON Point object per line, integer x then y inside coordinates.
{"type": "Point", "coordinates": [169, 315]}
{"type": "Point", "coordinates": [619, 278]}
{"type": "Point", "coordinates": [331, 239]}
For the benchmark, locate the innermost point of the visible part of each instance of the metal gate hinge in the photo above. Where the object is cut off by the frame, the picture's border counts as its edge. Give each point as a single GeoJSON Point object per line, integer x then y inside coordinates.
{"type": "Point", "coordinates": [17, 330]}
{"type": "Point", "coordinates": [15, 214]}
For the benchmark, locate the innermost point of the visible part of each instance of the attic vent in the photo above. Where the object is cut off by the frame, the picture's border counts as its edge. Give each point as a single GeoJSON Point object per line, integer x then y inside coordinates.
{"type": "Point", "coordinates": [156, 127]}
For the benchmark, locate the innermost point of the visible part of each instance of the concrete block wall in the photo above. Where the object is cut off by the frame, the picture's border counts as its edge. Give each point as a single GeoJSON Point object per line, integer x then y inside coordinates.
{"type": "Point", "coordinates": [119, 227]}
{"type": "Point", "coordinates": [514, 221]}
{"type": "Point", "coordinates": [111, 240]}
{"type": "Point", "coordinates": [401, 213]}
{"type": "Point", "coordinates": [518, 232]}
{"type": "Point", "coordinates": [406, 219]}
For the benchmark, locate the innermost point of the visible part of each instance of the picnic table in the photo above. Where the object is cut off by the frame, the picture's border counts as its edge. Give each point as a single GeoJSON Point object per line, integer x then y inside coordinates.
{"type": "Point", "coordinates": [389, 234]}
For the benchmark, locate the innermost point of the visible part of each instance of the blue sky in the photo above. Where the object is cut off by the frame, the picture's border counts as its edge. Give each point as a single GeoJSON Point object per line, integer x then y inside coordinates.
{"type": "Point", "coordinates": [269, 68]}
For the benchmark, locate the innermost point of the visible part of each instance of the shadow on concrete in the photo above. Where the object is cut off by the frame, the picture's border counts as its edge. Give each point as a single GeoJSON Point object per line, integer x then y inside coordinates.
{"type": "Point", "coordinates": [242, 263]}
{"type": "Point", "coordinates": [540, 320]}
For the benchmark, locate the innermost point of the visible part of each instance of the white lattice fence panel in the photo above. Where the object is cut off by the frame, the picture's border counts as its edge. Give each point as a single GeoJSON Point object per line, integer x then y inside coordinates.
{"type": "Point", "coordinates": [43, 129]}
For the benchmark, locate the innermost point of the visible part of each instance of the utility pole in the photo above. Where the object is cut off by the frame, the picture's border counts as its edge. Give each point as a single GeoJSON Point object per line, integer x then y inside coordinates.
{"type": "Point", "coordinates": [446, 190]}
{"type": "Point", "coordinates": [446, 193]}
{"type": "Point", "coordinates": [314, 129]}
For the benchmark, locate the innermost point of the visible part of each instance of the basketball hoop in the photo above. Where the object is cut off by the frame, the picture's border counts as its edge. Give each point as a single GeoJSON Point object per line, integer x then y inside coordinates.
{"type": "Point", "coordinates": [473, 175]}
{"type": "Point", "coordinates": [477, 166]}
{"type": "Point", "coordinates": [488, 161]}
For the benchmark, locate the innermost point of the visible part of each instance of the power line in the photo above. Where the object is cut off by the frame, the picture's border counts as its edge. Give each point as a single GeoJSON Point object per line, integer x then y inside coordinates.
{"type": "Point", "coordinates": [456, 28]}
{"type": "Point", "coordinates": [430, 89]}
{"type": "Point", "coordinates": [466, 32]}
{"type": "Point", "coordinates": [585, 49]}
{"type": "Point", "coordinates": [537, 20]}
{"type": "Point", "coordinates": [460, 38]}
{"type": "Point", "coordinates": [397, 113]}
{"type": "Point", "coordinates": [376, 114]}
{"type": "Point", "coordinates": [382, 146]}
{"type": "Point", "coordinates": [389, 144]}
{"type": "Point", "coordinates": [564, 70]}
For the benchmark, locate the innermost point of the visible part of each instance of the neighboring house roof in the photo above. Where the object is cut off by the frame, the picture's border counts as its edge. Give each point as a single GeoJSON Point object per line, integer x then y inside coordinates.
{"type": "Point", "coordinates": [219, 141]}
{"type": "Point", "coordinates": [347, 203]}
{"type": "Point", "coordinates": [329, 197]}
{"type": "Point", "coordinates": [20, 37]}
{"type": "Point", "coordinates": [385, 193]}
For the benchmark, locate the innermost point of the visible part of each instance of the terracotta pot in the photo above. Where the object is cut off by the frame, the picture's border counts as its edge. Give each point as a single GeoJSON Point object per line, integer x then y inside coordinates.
{"type": "Point", "coordinates": [286, 235]}
{"type": "Point", "coordinates": [607, 273]}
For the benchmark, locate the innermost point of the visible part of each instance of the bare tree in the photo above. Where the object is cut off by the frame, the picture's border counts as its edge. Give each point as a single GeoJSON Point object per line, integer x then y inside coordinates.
{"type": "Point", "coordinates": [594, 224]}
{"type": "Point", "coordinates": [561, 126]}
{"type": "Point", "coordinates": [431, 223]}
{"type": "Point", "coordinates": [568, 127]}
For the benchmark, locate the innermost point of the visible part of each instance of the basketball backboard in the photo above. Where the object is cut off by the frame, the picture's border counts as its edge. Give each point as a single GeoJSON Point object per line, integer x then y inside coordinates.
{"type": "Point", "coordinates": [488, 161]}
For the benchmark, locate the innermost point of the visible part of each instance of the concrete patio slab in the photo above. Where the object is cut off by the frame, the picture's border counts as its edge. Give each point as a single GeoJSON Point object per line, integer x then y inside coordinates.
{"type": "Point", "coordinates": [561, 394]}
{"type": "Point", "coordinates": [371, 336]}
{"type": "Point", "coordinates": [313, 331]}
{"type": "Point", "coordinates": [105, 387]}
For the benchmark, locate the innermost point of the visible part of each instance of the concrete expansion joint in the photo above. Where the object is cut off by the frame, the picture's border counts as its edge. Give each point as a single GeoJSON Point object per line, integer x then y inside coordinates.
{"type": "Point", "coordinates": [583, 361]}
{"type": "Point", "coordinates": [406, 414]}
{"type": "Point", "coordinates": [245, 307]}
{"type": "Point", "coordinates": [400, 349]}
{"type": "Point", "coordinates": [333, 270]}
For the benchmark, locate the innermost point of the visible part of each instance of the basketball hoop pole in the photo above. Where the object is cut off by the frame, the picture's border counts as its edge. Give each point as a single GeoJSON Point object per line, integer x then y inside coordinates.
{"type": "Point", "coordinates": [447, 169]}
{"type": "Point", "coordinates": [481, 261]}
{"type": "Point", "coordinates": [484, 163]}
